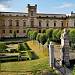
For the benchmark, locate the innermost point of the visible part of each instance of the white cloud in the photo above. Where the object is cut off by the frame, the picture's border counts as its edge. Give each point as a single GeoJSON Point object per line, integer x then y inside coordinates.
{"type": "Point", "coordinates": [66, 5]}
{"type": "Point", "coordinates": [25, 10]}
{"type": "Point", "coordinates": [4, 7]}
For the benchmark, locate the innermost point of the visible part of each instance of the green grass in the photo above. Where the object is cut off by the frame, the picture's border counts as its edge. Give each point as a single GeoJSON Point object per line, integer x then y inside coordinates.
{"type": "Point", "coordinates": [31, 65]}
{"type": "Point", "coordinates": [38, 64]}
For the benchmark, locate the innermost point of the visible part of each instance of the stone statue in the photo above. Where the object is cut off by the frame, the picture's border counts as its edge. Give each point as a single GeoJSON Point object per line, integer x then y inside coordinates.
{"type": "Point", "coordinates": [65, 47]}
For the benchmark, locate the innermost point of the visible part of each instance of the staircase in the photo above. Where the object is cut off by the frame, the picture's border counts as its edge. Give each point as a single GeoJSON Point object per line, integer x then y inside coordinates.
{"type": "Point", "coordinates": [62, 69]}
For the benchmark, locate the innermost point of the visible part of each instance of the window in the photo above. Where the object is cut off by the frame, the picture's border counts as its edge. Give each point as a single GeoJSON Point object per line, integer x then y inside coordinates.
{"type": "Point", "coordinates": [24, 31]}
{"type": "Point", "coordinates": [3, 22]}
{"type": "Point", "coordinates": [24, 24]}
{"type": "Point", "coordinates": [17, 31]}
{"type": "Point", "coordinates": [47, 23]}
{"type": "Point", "coordinates": [32, 23]}
{"type": "Point", "coordinates": [10, 22]}
{"type": "Point", "coordinates": [17, 22]}
{"type": "Point", "coordinates": [39, 16]}
{"type": "Point", "coordinates": [55, 24]}
{"type": "Point", "coordinates": [24, 15]}
{"type": "Point", "coordinates": [39, 31]}
{"type": "Point", "coordinates": [67, 24]}
{"type": "Point", "coordinates": [39, 23]}
{"type": "Point", "coordinates": [74, 23]}
{"type": "Point", "coordinates": [31, 13]}
{"type": "Point", "coordinates": [10, 31]}
{"type": "Point", "coordinates": [62, 24]}
{"type": "Point", "coordinates": [3, 31]}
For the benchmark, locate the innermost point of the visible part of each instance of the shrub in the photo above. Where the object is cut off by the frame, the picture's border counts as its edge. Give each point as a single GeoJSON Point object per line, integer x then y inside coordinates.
{"type": "Point", "coordinates": [23, 47]}
{"type": "Point", "coordinates": [2, 47]}
{"type": "Point", "coordinates": [26, 46]}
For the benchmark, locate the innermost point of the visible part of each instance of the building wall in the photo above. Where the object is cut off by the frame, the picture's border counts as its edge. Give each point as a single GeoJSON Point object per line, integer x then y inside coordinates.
{"type": "Point", "coordinates": [35, 17]}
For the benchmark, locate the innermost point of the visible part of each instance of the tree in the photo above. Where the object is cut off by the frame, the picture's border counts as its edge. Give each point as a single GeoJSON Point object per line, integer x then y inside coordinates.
{"type": "Point", "coordinates": [72, 33]}
{"type": "Point", "coordinates": [73, 72]}
{"type": "Point", "coordinates": [30, 33]}
{"type": "Point", "coordinates": [49, 33]}
{"type": "Point", "coordinates": [58, 35]}
{"type": "Point", "coordinates": [72, 38]}
{"type": "Point", "coordinates": [43, 38]}
{"type": "Point", "coordinates": [34, 35]}
{"type": "Point", "coordinates": [38, 37]}
{"type": "Point", "coordinates": [27, 31]}
{"type": "Point", "coordinates": [2, 47]}
{"type": "Point", "coordinates": [55, 35]}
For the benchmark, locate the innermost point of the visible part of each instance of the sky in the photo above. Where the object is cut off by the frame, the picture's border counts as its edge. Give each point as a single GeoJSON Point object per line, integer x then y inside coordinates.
{"type": "Point", "coordinates": [43, 6]}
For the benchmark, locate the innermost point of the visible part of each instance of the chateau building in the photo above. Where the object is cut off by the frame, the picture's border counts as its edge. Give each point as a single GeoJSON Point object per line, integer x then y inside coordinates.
{"type": "Point", "coordinates": [16, 23]}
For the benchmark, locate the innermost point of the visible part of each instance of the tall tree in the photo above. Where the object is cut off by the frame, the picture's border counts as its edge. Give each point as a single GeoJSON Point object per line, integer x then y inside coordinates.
{"type": "Point", "coordinates": [49, 33]}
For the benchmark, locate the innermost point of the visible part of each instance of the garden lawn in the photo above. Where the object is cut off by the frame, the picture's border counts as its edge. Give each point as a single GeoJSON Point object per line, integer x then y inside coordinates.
{"type": "Point", "coordinates": [38, 64]}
